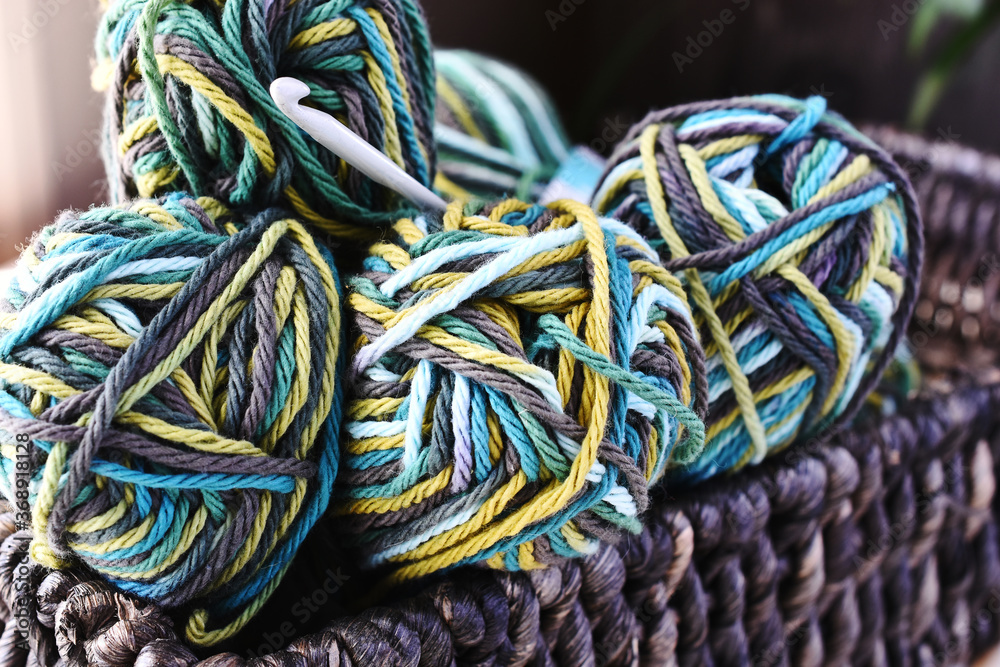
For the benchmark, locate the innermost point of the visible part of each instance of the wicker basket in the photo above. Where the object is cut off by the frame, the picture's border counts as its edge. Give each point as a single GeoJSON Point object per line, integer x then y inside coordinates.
{"type": "Point", "coordinates": [876, 546]}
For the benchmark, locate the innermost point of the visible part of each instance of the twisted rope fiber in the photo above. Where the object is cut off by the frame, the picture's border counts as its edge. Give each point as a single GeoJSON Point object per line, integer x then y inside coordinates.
{"type": "Point", "coordinates": [175, 371]}
{"type": "Point", "coordinates": [959, 189]}
{"type": "Point", "coordinates": [523, 374]}
{"type": "Point", "coordinates": [798, 548]}
{"type": "Point", "coordinates": [497, 131]}
{"type": "Point", "coordinates": [188, 107]}
{"type": "Point", "coordinates": [784, 564]}
{"type": "Point", "coordinates": [799, 244]}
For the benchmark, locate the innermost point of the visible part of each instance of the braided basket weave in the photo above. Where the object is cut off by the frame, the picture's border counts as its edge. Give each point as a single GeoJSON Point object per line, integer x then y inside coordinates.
{"type": "Point", "coordinates": [878, 546]}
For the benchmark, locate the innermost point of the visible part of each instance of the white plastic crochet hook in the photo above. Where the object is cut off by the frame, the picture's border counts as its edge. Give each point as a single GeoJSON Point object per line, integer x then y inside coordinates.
{"type": "Point", "coordinates": [351, 148]}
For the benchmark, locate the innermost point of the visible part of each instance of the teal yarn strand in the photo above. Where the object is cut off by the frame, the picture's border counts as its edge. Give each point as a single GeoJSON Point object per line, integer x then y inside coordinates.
{"type": "Point", "coordinates": [170, 370]}
{"type": "Point", "coordinates": [799, 243]}
{"type": "Point", "coordinates": [188, 107]}
{"type": "Point", "coordinates": [522, 375]}
{"type": "Point", "coordinates": [497, 131]}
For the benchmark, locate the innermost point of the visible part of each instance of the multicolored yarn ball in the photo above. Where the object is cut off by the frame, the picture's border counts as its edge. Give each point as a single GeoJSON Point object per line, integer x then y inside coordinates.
{"type": "Point", "coordinates": [497, 131]}
{"type": "Point", "coordinates": [522, 376]}
{"type": "Point", "coordinates": [799, 244]}
{"type": "Point", "coordinates": [189, 108]}
{"type": "Point", "coordinates": [170, 378]}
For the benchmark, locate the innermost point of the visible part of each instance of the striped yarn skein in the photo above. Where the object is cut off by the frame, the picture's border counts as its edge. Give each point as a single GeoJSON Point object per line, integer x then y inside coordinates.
{"type": "Point", "coordinates": [523, 374]}
{"type": "Point", "coordinates": [171, 374]}
{"type": "Point", "coordinates": [497, 131]}
{"type": "Point", "coordinates": [188, 107]}
{"type": "Point", "coordinates": [799, 244]}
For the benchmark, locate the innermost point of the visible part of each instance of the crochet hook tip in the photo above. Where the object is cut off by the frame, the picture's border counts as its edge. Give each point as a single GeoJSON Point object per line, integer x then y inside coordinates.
{"type": "Point", "coordinates": [334, 135]}
{"type": "Point", "coordinates": [287, 92]}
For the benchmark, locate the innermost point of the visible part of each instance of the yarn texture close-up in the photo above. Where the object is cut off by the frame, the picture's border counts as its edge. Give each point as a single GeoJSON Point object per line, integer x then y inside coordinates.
{"type": "Point", "coordinates": [497, 131]}
{"type": "Point", "coordinates": [546, 342]}
{"type": "Point", "coordinates": [188, 107]}
{"type": "Point", "coordinates": [523, 374]}
{"type": "Point", "coordinates": [174, 369]}
{"type": "Point", "coordinates": [799, 244]}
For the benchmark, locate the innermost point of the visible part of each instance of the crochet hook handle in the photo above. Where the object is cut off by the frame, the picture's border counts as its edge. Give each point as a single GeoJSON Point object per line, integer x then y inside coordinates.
{"type": "Point", "coordinates": [354, 150]}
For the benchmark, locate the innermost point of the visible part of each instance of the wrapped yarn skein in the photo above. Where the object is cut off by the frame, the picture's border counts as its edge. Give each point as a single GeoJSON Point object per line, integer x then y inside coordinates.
{"type": "Point", "coordinates": [800, 245]}
{"type": "Point", "coordinates": [188, 107]}
{"type": "Point", "coordinates": [497, 132]}
{"type": "Point", "coordinates": [171, 374]}
{"type": "Point", "coordinates": [523, 374]}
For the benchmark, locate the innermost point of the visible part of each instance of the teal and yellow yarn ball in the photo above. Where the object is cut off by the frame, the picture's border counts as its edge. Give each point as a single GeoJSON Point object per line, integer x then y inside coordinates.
{"type": "Point", "coordinates": [522, 375]}
{"type": "Point", "coordinates": [188, 106]}
{"type": "Point", "coordinates": [799, 244]}
{"type": "Point", "coordinates": [169, 374]}
{"type": "Point", "coordinates": [497, 132]}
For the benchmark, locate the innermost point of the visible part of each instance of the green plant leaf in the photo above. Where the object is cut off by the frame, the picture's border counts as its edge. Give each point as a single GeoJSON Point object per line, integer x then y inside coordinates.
{"type": "Point", "coordinates": [934, 10]}
{"type": "Point", "coordinates": [935, 81]}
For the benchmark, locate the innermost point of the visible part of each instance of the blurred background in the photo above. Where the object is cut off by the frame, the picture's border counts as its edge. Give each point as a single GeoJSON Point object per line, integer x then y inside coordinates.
{"type": "Point", "coordinates": [931, 65]}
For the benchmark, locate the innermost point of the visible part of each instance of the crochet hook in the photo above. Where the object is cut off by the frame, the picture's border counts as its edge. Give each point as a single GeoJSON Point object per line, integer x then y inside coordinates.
{"type": "Point", "coordinates": [334, 135]}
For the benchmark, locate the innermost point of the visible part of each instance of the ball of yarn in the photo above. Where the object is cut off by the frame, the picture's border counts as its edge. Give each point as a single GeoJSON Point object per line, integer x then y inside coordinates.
{"type": "Point", "coordinates": [497, 131]}
{"type": "Point", "coordinates": [189, 108]}
{"type": "Point", "coordinates": [799, 244]}
{"type": "Point", "coordinates": [523, 374]}
{"type": "Point", "coordinates": [170, 377]}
